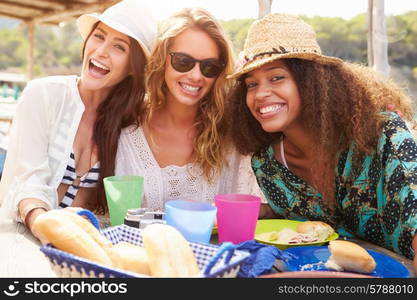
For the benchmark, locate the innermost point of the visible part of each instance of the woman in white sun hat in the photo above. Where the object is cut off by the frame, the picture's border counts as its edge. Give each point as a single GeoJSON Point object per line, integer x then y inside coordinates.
{"type": "Point", "coordinates": [66, 129]}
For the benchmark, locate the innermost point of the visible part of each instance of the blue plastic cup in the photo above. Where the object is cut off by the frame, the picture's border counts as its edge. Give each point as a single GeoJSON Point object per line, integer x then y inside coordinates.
{"type": "Point", "coordinates": [193, 219]}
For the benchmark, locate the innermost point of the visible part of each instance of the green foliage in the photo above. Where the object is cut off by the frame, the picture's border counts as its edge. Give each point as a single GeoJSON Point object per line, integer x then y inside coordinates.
{"type": "Point", "coordinates": [402, 35]}
{"type": "Point", "coordinates": [57, 49]}
{"type": "Point", "coordinates": [12, 48]}
{"type": "Point", "coordinates": [347, 39]}
{"type": "Point", "coordinates": [414, 70]}
{"type": "Point", "coordinates": [236, 31]}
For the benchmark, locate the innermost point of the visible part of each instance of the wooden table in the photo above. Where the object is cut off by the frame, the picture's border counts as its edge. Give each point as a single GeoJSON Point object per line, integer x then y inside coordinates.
{"type": "Point", "coordinates": [20, 255]}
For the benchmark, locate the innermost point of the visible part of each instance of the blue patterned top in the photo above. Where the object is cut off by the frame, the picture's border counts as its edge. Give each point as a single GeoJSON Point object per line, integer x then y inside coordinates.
{"type": "Point", "coordinates": [376, 201]}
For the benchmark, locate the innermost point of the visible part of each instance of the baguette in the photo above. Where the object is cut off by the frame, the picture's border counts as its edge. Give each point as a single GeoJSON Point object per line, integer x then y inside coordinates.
{"type": "Point", "coordinates": [348, 256]}
{"type": "Point", "coordinates": [166, 253]}
{"type": "Point", "coordinates": [130, 257]}
{"type": "Point", "coordinates": [169, 254]}
{"type": "Point", "coordinates": [91, 230]}
{"type": "Point", "coordinates": [72, 233]}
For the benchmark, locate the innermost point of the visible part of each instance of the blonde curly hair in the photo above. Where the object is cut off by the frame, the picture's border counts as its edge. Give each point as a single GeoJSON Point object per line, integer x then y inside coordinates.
{"type": "Point", "coordinates": [210, 141]}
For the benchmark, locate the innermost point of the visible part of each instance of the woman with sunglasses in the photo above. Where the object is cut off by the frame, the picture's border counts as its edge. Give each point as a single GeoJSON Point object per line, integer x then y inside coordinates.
{"type": "Point", "coordinates": [66, 128]}
{"type": "Point", "coordinates": [181, 148]}
{"type": "Point", "coordinates": [323, 148]}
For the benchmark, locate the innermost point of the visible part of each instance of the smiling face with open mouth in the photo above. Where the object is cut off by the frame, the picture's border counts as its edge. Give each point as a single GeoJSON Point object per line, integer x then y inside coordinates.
{"type": "Point", "coordinates": [189, 87]}
{"type": "Point", "coordinates": [106, 59]}
{"type": "Point", "coordinates": [272, 97]}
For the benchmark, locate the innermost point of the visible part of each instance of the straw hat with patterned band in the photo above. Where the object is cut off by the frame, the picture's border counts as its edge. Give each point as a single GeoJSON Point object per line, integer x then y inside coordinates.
{"type": "Point", "coordinates": [278, 36]}
{"type": "Point", "coordinates": [130, 17]}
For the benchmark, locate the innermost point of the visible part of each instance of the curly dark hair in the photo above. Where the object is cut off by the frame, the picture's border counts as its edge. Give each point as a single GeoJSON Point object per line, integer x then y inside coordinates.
{"type": "Point", "coordinates": [341, 103]}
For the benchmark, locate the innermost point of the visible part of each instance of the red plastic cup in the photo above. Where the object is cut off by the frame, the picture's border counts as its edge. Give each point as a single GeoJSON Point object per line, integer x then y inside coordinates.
{"type": "Point", "coordinates": [237, 215]}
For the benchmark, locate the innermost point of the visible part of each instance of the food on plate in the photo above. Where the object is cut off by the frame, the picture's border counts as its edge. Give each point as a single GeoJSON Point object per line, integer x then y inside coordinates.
{"type": "Point", "coordinates": [286, 236]}
{"type": "Point", "coordinates": [127, 256]}
{"type": "Point", "coordinates": [72, 233]}
{"type": "Point", "coordinates": [169, 253]}
{"type": "Point", "coordinates": [289, 236]}
{"type": "Point", "coordinates": [306, 232]}
{"type": "Point", "coordinates": [272, 236]}
{"type": "Point", "coordinates": [317, 229]}
{"type": "Point", "coordinates": [348, 256]}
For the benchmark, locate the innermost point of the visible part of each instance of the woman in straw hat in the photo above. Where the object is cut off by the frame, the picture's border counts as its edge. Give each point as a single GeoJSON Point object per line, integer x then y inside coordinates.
{"type": "Point", "coordinates": [181, 147]}
{"type": "Point", "coordinates": [66, 128]}
{"type": "Point", "coordinates": [322, 147]}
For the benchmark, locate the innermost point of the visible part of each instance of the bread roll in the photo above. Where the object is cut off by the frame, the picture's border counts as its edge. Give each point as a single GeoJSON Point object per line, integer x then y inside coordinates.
{"type": "Point", "coordinates": [91, 230]}
{"type": "Point", "coordinates": [349, 256]}
{"type": "Point", "coordinates": [169, 254]}
{"type": "Point", "coordinates": [130, 257]}
{"type": "Point", "coordinates": [166, 252]}
{"type": "Point", "coordinates": [72, 233]}
{"type": "Point", "coordinates": [317, 229]}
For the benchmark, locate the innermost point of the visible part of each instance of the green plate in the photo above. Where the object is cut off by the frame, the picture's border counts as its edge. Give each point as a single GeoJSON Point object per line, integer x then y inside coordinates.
{"type": "Point", "coordinates": [269, 225]}
{"type": "Point", "coordinates": [214, 231]}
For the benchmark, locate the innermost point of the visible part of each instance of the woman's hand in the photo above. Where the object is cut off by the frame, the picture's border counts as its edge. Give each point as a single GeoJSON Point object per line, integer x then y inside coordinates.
{"type": "Point", "coordinates": [415, 264]}
{"type": "Point", "coordinates": [74, 209]}
{"type": "Point", "coordinates": [414, 245]}
{"type": "Point", "coordinates": [266, 212]}
{"type": "Point", "coordinates": [30, 219]}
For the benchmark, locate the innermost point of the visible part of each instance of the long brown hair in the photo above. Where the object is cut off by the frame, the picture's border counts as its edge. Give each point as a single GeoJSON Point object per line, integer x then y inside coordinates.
{"type": "Point", "coordinates": [123, 107]}
{"type": "Point", "coordinates": [210, 140]}
{"type": "Point", "coordinates": [341, 103]}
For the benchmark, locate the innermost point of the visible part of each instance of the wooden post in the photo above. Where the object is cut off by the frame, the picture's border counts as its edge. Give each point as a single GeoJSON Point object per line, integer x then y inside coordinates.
{"type": "Point", "coordinates": [31, 29]}
{"type": "Point", "coordinates": [370, 33]}
{"type": "Point", "coordinates": [264, 8]}
{"type": "Point", "coordinates": [377, 37]}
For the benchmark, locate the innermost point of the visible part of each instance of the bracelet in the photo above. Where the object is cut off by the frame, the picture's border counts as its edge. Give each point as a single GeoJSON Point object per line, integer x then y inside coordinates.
{"type": "Point", "coordinates": [28, 208]}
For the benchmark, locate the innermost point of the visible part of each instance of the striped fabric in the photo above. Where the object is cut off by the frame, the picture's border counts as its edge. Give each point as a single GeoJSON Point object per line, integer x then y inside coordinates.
{"type": "Point", "coordinates": [88, 180]}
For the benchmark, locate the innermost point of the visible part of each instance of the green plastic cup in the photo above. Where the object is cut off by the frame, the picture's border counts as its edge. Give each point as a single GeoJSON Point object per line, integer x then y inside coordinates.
{"type": "Point", "coordinates": [122, 193]}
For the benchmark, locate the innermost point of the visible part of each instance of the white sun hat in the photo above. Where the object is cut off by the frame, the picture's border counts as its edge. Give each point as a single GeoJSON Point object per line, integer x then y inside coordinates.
{"type": "Point", "coordinates": [130, 17]}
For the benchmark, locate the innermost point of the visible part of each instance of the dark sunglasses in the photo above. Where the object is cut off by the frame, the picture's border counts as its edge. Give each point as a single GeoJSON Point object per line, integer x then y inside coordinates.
{"type": "Point", "coordinates": [208, 67]}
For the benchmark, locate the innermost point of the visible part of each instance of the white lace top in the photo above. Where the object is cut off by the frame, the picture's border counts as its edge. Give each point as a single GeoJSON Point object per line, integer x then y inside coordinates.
{"type": "Point", "coordinates": [135, 157]}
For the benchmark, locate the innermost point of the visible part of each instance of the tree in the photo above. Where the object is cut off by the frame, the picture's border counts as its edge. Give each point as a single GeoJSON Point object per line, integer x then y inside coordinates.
{"type": "Point", "coordinates": [12, 47]}
{"type": "Point", "coordinates": [237, 31]}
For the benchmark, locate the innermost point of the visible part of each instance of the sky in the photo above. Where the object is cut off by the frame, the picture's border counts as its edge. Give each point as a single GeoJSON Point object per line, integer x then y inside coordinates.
{"type": "Point", "coordinates": [238, 9]}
